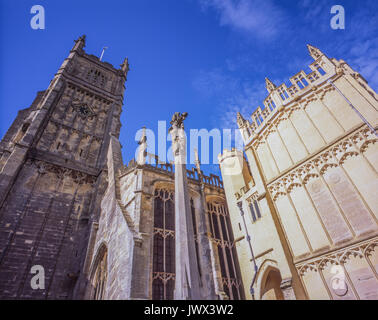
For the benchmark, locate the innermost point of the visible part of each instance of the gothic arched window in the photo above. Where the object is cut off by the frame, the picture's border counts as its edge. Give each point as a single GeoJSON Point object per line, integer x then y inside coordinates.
{"type": "Point", "coordinates": [100, 274]}
{"type": "Point", "coordinates": [222, 234]}
{"type": "Point", "coordinates": [163, 266]}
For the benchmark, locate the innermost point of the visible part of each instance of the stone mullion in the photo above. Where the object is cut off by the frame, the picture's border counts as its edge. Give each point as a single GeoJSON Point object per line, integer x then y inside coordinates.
{"type": "Point", "coordinates": [98, 283]}
{"type": "Point", "coordinates": [95, 285]}
{"type": "Point", "coordinates": [231, 245]}
{"type": "Point", "coordinates": [356, 189]}
{"type": "Point", "coordinates": [271, 154]}
{"type": "Point", "coordinates": [152, 272]}
{"type": "Point", "coordinates": [224, 251]}
{"type": "Point", "coordinates": [371, 266]}
{"type": "Point", "coordinates": [37, 241]}
{"type": "Point", "coordinates": [283, 143]}
{"type": "Point", "coordinates": [19, 220]}
{"type": "Point", "coordinates": [93, 128]}
{"type": "Point", "coordinates": [56, 134]}
{"type": "Point", "coordinates": [297, 133]}
{"type": "Point", "coordinates": [164, 236]}
{"type": "Point", "coordinates": [62, 241]}
{"type": "Point", "coordinates": [102, 279]}
{"type": "Point", "coordinates": [332, 115]}
{"type": "Point", "coordinates": [364, 157]}
{"type": "Point", "coordinates": [210, 216]}
{"type": "Point", "coordinates": [98, 150]}
{"type": "Point", "coordinates": [316, 128]}
{"type": "Point", "coordinates": [298, 219]}
{"type": "Point", "coordinates": [281, 223]}
{"type": "Point", "coordinates": [88, 149]}
{"type": "Point", "coordinates": [76, 114]}
{"type": "Point", "coordinates": [300, 275]}
{"type": "Point", "coordinates": [325, 283]}
{"type": "Point", "coordinates": [69, 104]}
{"type": "Point", "coordinates": [76, 148]}
{"type": "Point", "coordinates": [316, 210]}
{"type": "Point", "coordinates": [70, 133]}
{"type": "Point", "coordinates": [335, 201]}
{"type": "Point", "coordinates": [74, 109]}
{"type": "Point", "coordinates": [350, 281]}
{"type": "Point", "coordinates": [363, 95]}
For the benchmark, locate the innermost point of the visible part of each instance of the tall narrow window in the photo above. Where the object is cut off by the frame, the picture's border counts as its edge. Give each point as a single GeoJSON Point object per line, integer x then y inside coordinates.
{"type": "Point", "coordinates": [254, 208]}
{"type": "Point", "coordinates": [163, 266]}
{"type": "Point", "coordinates": [100, 274]}
{"type": "Point", "coordinates": [223, 238]}
{"type": "Point", "coordinates": [257, 208]}
{"type": "Point", "coordinates": [252, 211]}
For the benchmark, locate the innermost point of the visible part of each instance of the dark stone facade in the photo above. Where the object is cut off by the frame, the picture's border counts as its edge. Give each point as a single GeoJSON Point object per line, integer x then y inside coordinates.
{"type": "Point", "coordinates": [53, 176]}
{"type": "Point", "coordinates": [68, 204]}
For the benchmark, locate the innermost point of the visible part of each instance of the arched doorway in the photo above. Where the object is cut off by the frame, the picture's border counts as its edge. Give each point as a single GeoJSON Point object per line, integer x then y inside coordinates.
{"type": "Point", "coordinates": [270, 286]}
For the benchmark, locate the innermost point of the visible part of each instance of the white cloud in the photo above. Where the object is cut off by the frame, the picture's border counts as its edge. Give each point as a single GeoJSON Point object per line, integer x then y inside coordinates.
{"type": "Point", "coordinates": [263, 19]}
{"type": "Point", "coordinates": [364, 58]}
{"type": "Point", "coordinates": [231, 94]}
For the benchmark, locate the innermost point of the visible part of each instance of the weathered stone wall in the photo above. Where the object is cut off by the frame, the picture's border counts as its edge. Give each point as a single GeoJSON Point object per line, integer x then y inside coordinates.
{"type": "Point", "coordinates": [51, 180]}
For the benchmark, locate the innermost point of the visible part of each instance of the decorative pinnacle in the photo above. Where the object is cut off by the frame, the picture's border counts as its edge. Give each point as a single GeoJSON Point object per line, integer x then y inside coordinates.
{"type": "Point", "coordinates": [270, 86]}
{"type": "Point", "coordinates": [315, 53]}
{"type": "Point", "coordinates": [125, 67]}
{"type": "Point", "coordinates": [82, 39]}
{"type": "Point", "coordinates": [239, 119]}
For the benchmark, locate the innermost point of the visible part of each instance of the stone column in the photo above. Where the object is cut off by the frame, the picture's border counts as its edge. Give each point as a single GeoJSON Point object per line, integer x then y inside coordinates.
{"type": "Point", "coordinates": [287, 289]}
{"type": "Point", "coordinates": [142, 151]}
{"type": "Point", "coordinates": [187, 283]}
{"type": "Point", "coordinates": [205, 250]}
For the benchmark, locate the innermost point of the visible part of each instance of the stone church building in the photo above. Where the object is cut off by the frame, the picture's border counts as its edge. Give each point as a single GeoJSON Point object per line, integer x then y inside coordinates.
{"type": "Point", "coordinates": [304, 199]}
{"type": "Point", "coordinates": [295, 217]}
{"type": "Point", "coordinates": [99, 229]}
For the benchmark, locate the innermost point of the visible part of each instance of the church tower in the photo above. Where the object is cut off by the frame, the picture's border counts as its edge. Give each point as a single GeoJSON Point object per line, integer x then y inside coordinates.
{"type": "Point", "coordinates": [53, 171]}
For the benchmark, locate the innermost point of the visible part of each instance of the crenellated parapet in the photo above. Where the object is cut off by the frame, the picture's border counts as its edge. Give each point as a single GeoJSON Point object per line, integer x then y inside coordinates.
{"type": "Point", "coordinates": [282, 95]}
{"type": "Point", "coordinates": [153, 163]}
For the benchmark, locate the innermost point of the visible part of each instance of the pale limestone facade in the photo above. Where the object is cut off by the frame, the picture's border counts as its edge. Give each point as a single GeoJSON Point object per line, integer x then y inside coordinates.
{"type": "Point", "coordinates": [308, 187]}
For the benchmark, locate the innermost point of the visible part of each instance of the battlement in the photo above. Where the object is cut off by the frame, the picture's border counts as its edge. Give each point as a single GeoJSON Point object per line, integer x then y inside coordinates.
{"type": "Point", "coordinates": [322, 68]}
{"type": "Point", "coordinates": [230, 154]}
{"type": "Point", "coordinates": [78, 48]}
{"type": "Point", "coordinates": [168, 168]}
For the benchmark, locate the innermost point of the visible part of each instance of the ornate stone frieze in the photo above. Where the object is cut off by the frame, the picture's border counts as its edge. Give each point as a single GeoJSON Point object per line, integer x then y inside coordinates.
{"type": "Point", "coordinates": [339, 257]}
{"type": "Point", "coordinates": [353, 145]}
{"type": "Point", "coordinates": [78, 177]}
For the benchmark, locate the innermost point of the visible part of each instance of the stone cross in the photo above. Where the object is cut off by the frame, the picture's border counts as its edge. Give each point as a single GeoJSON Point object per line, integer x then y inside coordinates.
{"type": "Point", "coordinates": [187, 283]}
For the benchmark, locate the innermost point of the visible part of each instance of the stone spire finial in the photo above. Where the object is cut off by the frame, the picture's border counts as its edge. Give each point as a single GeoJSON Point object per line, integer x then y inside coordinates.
{"type": "Point", "coordinates": [315, 53]}
{"type": "Point", "coordinates": [125, 67]}
{"type": "Point", "coordinates": [240, 120]}
{"type": "Point", "coordinates": [142, 152]}
{"type": "Point", "coordinates": [80, 43]}
{"type": "Point", "coordinates": [270, 86]}
{"type": "Point", "coordinates": [197, 162]}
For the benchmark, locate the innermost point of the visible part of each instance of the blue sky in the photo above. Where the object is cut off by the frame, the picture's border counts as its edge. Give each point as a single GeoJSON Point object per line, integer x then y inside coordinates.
{"type": "Point", "coordinates": [206, 57]}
